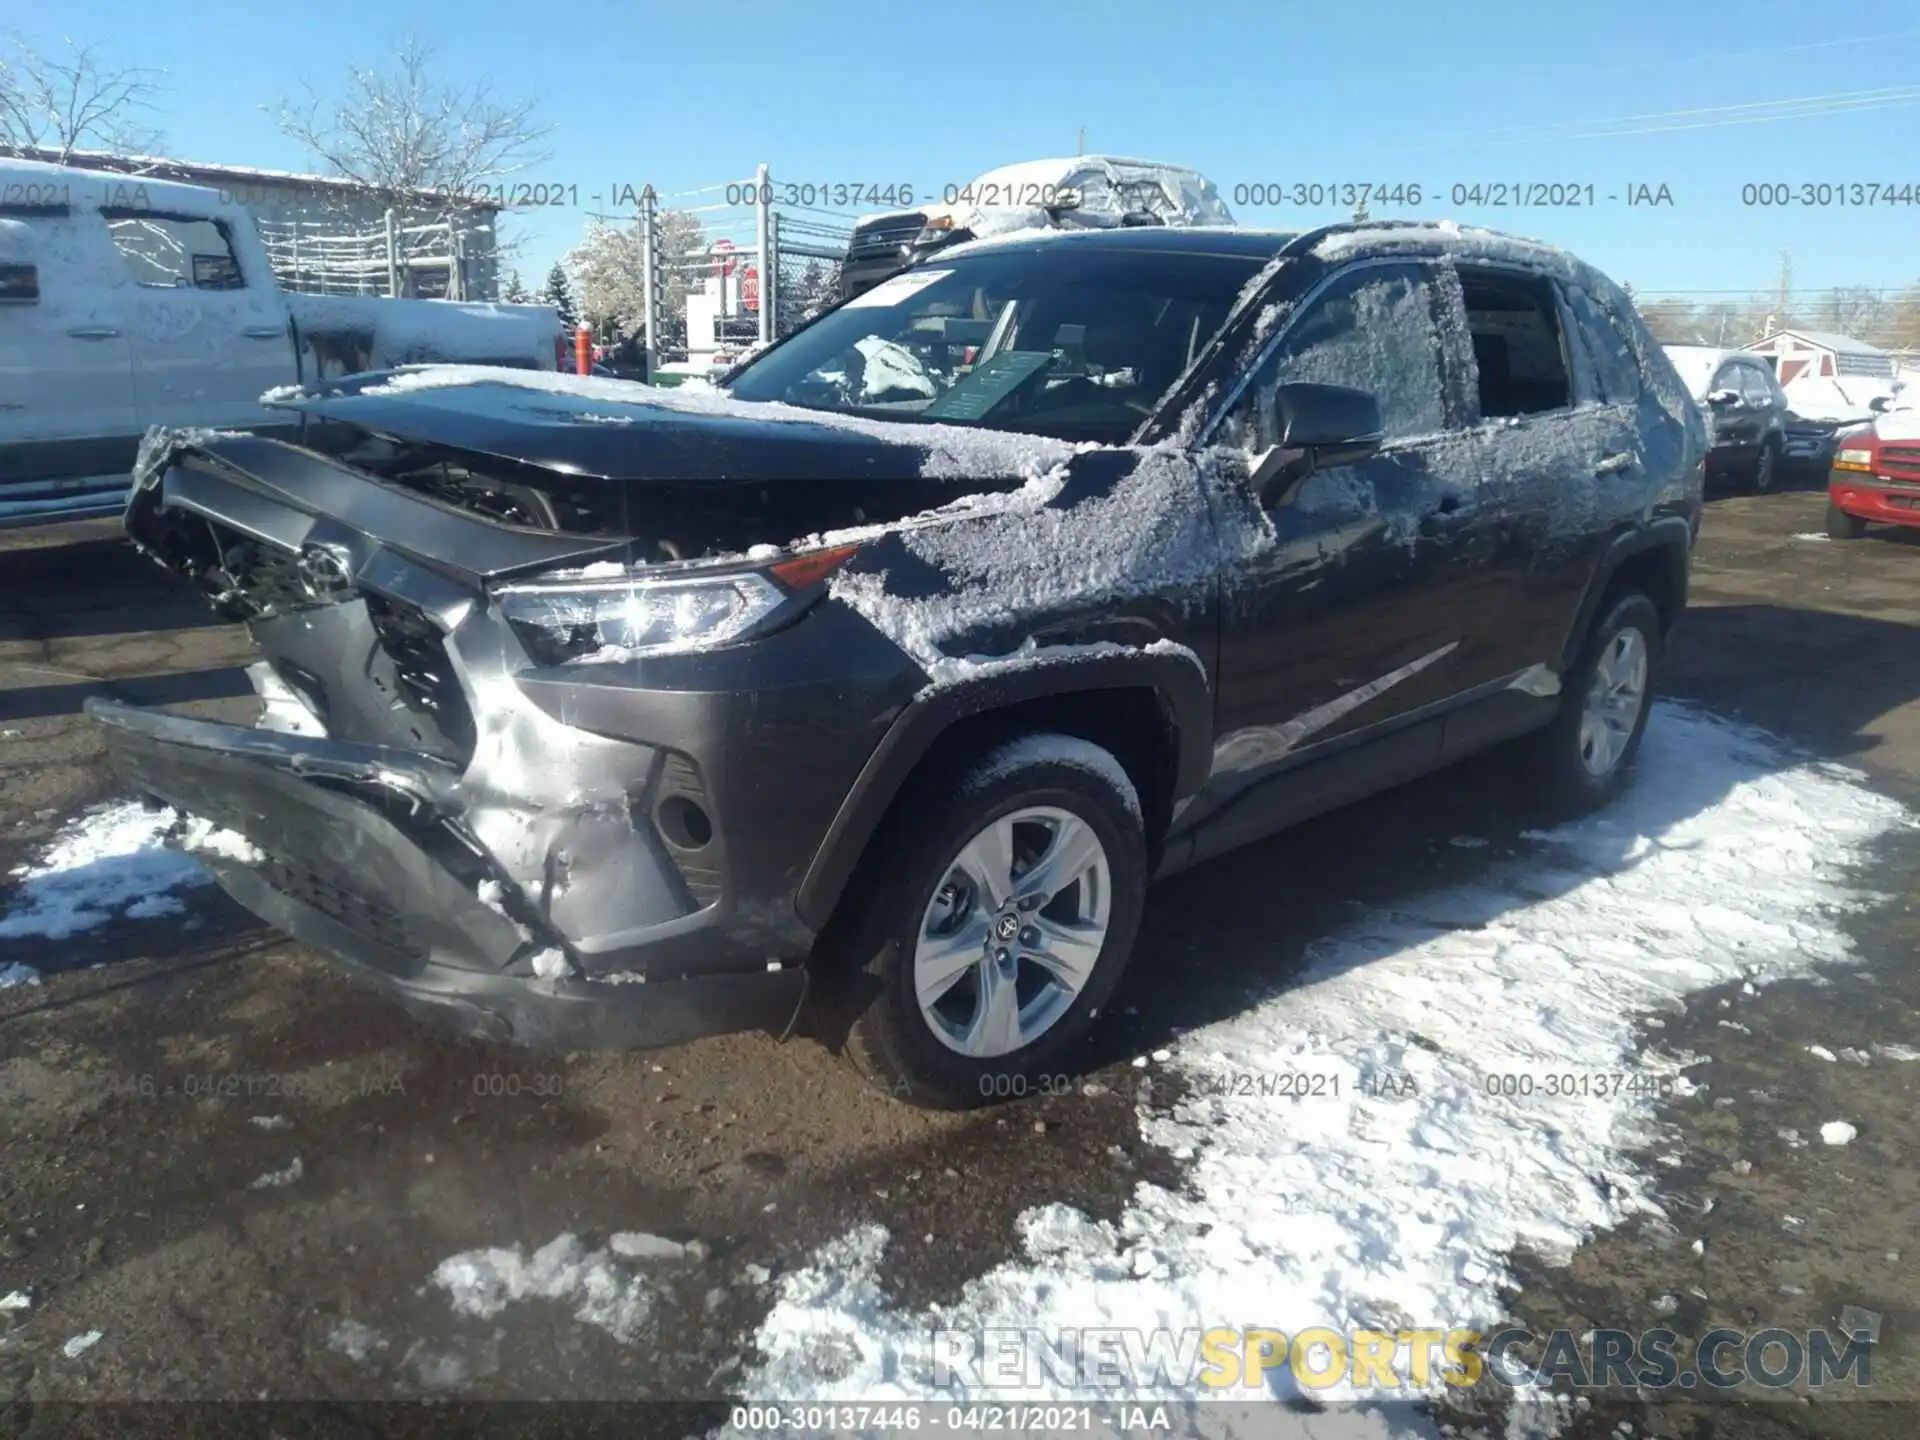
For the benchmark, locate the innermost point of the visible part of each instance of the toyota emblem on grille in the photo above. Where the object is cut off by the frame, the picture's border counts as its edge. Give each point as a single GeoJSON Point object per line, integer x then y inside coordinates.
{"type": "Point", "coordinates": [325, 571]}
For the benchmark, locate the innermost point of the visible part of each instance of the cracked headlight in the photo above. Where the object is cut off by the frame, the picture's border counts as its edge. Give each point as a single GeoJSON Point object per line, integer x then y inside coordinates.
{"type": "Point", "coordinates": [624, 618]}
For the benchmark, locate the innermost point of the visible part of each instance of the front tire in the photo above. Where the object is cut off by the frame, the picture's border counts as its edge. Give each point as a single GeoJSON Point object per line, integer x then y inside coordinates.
{"type": "Point", "coordinates": [1842, 526]}
{"type": "Point", "coordinates": [1584, 757]}
{"type": "Point", "coordinates": [997, 924]}
{"type": "Point", "coordinates": [1766, 470]}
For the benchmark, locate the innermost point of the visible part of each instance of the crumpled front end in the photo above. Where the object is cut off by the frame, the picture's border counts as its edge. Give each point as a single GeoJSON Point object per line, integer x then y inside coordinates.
{"type": "Point", "coordinates": [538, 853]}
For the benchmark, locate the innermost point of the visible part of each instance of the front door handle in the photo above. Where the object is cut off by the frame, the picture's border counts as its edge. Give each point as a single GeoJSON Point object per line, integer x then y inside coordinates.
{"type": "Point", "coordinates": [264, 332]}
{"type": "Point", "coordinates": [1614, 464]}
{"type": "Point", "coordinates": [93, 332]}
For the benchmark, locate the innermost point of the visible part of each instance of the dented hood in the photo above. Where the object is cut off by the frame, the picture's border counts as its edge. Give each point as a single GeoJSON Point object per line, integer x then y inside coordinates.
{"type": "Point", "coordinates": [609, 435]}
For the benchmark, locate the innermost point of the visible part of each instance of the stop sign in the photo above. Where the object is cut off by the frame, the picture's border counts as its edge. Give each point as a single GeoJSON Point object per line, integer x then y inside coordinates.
{"type": "Point", "coordinates": [750, 288]}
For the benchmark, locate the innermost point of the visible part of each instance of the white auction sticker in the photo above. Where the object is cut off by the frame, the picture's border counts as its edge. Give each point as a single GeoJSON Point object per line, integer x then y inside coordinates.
{"type": "Point", "coordinates": [896, 288]}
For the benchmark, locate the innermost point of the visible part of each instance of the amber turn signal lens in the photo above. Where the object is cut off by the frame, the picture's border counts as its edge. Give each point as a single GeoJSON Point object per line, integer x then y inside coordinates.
{"type": "Point", "coordinates": [812, 567]}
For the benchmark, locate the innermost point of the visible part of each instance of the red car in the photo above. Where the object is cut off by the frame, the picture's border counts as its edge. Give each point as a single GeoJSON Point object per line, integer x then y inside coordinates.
{"type": "Point", "coordinates": [1875, 476]}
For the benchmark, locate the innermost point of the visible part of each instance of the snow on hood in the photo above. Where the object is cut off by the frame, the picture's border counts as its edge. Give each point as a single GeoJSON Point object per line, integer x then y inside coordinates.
{"type": "Point", "coordinates": [1901, 424]}
{"type": "Point", "coordinates": [1695, 364]}
{"type": "Point", "coordinates": [1826, 397]}
{"type": "Point", "coordinates": [1392, 1196]}
{"type": "Point", "coordinates": [953, 452]}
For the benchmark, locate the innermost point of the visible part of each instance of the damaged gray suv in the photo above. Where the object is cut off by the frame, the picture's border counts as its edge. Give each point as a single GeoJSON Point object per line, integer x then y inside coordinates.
{"type": "Point", "coordinates": [878, 683]}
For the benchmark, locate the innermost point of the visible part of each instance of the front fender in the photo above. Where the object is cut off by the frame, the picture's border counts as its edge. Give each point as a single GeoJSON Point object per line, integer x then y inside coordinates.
{"type": "Point", "coordinates": [1170, 672]}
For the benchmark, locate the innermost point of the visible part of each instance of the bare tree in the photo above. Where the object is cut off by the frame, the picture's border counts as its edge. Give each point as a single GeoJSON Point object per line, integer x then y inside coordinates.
{"type": "Point", "coordinates": [607, 270]}
{"type": "Point", "coordinates": [401, 131]}
{"type": "Point", "coordinates": [1856, 310]}
{"type": "Point", "coordinates": [61, 104]}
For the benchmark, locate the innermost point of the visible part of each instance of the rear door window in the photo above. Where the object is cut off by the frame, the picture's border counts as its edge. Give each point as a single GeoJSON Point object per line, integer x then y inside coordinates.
{"type": "Point", "coordinates": [174, 252]}
{"type": "Point", "coordinates": [1520, 355]}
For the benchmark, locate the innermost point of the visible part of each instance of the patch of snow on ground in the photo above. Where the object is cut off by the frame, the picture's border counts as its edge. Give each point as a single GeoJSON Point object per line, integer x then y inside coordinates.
{"type": "Point", "coordinates": [109, 861]}
{"type": "Point", "coordinates": [16, 1300]}
{"type": "Point", "coordinates": [80, 1344]}
{"type": "Point", "coordinates": [203, 837]}
{"type": "Point", "coordinates": [550, 964]}
{"type": "Point", "coordinates": [279, 1179]}
{"type": "Point", "coordinates": [355, 1341]}
{"type": "Point", "coordinates": [1837, 1132]}
{"type": "Point", "coordinates": [1368, 1206]}
{"type": "Point", "coordinates": [17, 974]}
{"type": "Point", "coordinates": [482, 1283]}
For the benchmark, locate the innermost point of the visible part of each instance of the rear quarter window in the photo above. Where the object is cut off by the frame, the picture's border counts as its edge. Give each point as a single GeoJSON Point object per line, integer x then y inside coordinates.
{"type": "Point", "coordinates": [1615, 361]}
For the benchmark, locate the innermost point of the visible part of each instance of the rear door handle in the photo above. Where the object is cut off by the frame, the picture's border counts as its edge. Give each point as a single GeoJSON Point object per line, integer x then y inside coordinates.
{"type": "Point", "coordinates": [93, 332]}
{"type": "Point", "coordinates": [1614, 464]}
{"type": "Point", "coordinates": [264, 332]}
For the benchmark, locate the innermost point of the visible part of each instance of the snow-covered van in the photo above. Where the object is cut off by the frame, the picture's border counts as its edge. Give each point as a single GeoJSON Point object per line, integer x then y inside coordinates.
{"type": "Point", "coordinates": [1078, 191]}
{"type": "Point", "coordinates": [127, 302]}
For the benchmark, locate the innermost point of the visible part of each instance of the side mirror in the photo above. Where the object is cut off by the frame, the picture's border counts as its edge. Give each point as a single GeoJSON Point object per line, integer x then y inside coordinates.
{"type": "Point", "coordinates": [1723, 399]}
{"type": "Point", "coordinates": [1315, 427]}
{"type": "Point", "coordinates": [1879, 403]}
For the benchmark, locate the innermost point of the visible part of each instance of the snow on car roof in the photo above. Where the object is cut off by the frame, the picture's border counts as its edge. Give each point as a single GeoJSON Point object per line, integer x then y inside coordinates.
{"type": "Point", "coordinates": [1695, 365]}
{"type": "Point", "coordinates": [1042, 171]}
{"type": "Point", "coordinates": [67, 184]}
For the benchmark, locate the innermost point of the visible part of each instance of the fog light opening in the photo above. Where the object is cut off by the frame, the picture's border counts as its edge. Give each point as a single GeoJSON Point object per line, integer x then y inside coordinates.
{"type": "Point", "coordinates": [685, 824]}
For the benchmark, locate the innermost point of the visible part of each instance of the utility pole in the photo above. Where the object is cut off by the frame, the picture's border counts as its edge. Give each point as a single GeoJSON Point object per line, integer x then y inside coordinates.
{"type": "Point", "coordinates": [1786, 286]}
{"type": "Point", "coordinates": [1080, 145]}
{"type": "Point", "coordinates": [649, 276]}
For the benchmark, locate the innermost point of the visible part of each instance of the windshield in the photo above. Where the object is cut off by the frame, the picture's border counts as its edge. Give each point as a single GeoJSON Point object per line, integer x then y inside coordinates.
{"type": "Point", "coordinates": [1053, 339]}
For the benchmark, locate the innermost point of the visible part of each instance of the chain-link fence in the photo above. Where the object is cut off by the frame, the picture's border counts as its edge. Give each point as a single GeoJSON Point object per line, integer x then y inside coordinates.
{"type": "Point", "coordinates": [442, 259]}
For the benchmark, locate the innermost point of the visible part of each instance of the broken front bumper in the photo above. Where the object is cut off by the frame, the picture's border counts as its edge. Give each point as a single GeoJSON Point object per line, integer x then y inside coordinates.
{"type": "Point", "coordinates": [357, 856]}
{"type": "Point", "coordinates": [443, 814]}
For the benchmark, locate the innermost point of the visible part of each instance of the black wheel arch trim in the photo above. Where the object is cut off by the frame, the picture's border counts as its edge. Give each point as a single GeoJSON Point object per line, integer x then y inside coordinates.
{"type": "Point", "coordinates": [1174, 677]}
{"type": "Point", "coordinates": [1672, 533]}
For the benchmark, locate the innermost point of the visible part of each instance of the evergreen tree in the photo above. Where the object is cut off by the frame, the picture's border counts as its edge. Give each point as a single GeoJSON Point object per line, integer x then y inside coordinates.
{"type": "Point", "coordinates": [514, 293]}
{"type": "Point", "coordinates": [559, 294]}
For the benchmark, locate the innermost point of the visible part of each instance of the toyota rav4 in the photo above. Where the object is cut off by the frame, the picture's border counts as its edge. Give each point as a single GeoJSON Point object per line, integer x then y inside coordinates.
{"type": "Point", "coordinates": [880, 683]}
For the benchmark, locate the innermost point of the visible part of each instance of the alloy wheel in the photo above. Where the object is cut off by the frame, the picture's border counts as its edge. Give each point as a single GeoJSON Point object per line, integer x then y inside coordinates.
{"type": "Point", "coordinates": [1613, 702]}
{"type": "Point", "coordinates": [1013, 931]}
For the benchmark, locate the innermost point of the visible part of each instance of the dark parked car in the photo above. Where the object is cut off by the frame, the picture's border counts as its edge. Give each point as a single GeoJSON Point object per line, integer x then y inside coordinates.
{"type": "Point", "coordinates": [1751, 427]}
{"type": "Point", "coordinates": [1122, 548]}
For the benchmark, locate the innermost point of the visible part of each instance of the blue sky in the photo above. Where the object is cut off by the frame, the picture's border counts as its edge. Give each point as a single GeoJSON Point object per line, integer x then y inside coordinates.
{"type": "Point", "coordinates": [1252, 92]}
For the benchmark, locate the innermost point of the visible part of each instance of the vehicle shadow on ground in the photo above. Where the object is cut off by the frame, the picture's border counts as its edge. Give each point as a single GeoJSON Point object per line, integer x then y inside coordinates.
{"type": "Point", "coordinates": [95, 587]}
{"type": "Point", "coordinates": [1817, 677]}
{"type": "Point", "coordinates": [1227, 935]}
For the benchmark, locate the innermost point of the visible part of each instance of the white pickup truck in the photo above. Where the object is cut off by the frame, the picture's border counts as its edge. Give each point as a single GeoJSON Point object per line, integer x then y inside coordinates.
{"type": "Point", "coordinates": [127, 302]}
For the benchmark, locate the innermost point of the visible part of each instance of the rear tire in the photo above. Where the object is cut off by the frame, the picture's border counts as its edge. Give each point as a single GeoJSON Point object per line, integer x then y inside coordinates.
{"type": "Point", "coordinates": [1584, 757]}
{"type": "Point", "coordinates": [1842, 526]}
{"type": "Point", "coordinates": [968, 986]}
{"type": "Point", "coordinates": [1766, 470]}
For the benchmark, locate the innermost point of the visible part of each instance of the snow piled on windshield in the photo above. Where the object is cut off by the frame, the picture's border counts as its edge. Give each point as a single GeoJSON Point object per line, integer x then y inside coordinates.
{"type": "Point", "coordinates": [952, 452]}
